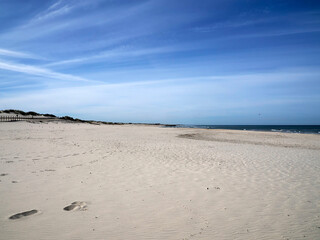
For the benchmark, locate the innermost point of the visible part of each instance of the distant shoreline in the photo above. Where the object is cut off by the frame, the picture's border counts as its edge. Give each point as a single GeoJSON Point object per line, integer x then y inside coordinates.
{"type": "Point", "coordinates": [18, 115]}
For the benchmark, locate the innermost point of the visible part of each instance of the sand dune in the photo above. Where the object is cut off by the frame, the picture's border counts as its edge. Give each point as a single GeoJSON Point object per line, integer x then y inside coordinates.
{"type": "Point", "coordinates": [81, 181]}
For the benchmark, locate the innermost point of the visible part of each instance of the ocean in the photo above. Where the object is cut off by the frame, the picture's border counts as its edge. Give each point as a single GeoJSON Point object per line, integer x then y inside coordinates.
{"type": "Point", "coordinates": [306, 129]}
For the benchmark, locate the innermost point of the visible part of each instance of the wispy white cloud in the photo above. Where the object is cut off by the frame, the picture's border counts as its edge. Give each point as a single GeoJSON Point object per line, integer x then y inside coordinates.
{"type": "Point", "coordinates": [272, 25]}
{"type": "Point", "coordinates": [118, 53]}
{"type": "Point", "coordinates": [231, 24]}
{"type": "Point", "coordinates": [55, 5]}
{"type": "Point", "coordinates": [120, 24]}
{"type": "Point", "coordinates": [51, 14]}
{"type": "Point", "coordinates": [15, 54]}
{"type": "Point", "coordinates": [281, 32]}
{"type": "Point", "coordinates": [43, 72]}
{"type": "Point", "coordinates": [59, 8]}
{"type": "Point", "coordinates": [270, 33]}
{"type": "Point", "coordinates": [174, 99]}
{"type": "Point", "coordinates": [55, 21]}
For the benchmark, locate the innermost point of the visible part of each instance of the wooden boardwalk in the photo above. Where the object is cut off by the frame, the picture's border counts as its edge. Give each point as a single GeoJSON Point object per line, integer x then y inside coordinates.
{"type": "Point", "coordinates": [21, 118]}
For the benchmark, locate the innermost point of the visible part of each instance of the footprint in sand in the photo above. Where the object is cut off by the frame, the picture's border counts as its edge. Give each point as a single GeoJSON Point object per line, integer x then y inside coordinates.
{"type": "Point", "coordinates": [81, 206]}
{"type": "Point", "coordinates": [23, 214]}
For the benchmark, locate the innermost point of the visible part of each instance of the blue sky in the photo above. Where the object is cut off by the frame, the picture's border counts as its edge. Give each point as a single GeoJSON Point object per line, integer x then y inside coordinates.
{"type": "Point", "coordinates": [168, 61]}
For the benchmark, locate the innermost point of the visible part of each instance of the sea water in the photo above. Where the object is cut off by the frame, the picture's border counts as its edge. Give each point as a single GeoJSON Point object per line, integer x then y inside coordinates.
{"type": "Point", "coordinates": [309, 129]}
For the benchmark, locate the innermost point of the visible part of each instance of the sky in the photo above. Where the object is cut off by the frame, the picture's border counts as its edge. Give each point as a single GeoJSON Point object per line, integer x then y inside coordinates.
{"type": "Point", "coordinates": [163, 61]}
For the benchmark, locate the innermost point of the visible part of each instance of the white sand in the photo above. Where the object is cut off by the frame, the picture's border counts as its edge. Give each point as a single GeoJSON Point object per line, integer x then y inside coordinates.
{"type": "Point", "coordinates": [144, 182]}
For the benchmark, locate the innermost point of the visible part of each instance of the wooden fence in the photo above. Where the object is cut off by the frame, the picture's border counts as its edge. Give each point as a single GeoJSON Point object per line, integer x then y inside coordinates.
{"type": "Point", "coordinates": [19, 118]}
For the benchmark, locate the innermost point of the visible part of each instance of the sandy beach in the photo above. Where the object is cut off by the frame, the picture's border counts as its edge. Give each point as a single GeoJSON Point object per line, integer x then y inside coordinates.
{"type": "Point", "coordinates": [118, 182]}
